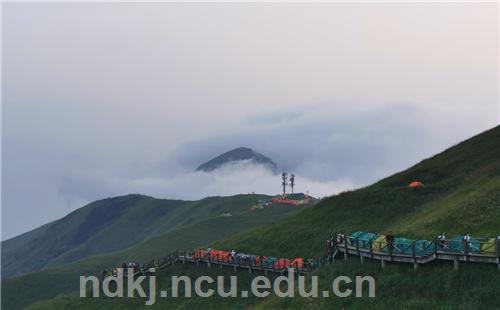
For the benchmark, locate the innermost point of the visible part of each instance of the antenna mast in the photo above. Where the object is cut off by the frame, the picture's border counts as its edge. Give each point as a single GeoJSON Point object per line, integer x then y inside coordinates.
{"type": "Point", "coordinates": [284, 181]}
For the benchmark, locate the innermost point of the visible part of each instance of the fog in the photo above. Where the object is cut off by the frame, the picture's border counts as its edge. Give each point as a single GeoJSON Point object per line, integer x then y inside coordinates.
{"type": "Point", "coordinates": [108, 99]}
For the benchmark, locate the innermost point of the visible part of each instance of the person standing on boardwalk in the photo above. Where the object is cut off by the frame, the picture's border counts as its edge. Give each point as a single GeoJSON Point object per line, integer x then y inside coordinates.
{"type": "Point", "coordinates": [209, 253]}
{"type": "Point", "coordinates": [340, 237]}
{"type": "Point", "coordinates": [442, 240]}
{"type": "Point", "coordinates": [103, 274]}
{"type": "Point", "coordinates": [389, 238]}
{"type": "Point", "coordinates": [467, 243]}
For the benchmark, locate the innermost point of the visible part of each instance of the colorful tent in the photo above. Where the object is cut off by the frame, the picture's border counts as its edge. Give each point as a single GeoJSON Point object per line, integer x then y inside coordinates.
{"type": "Point", "coordinates": [363, 239]}
{"type": "Point", "coordinates": [220, 255]}
{"type": "Point", "coordinates": [297, 263]}
{"type": "Point", "coordinates": [379, 244]}
{"type": "Point", "coordinates": [269, 261]}
{"type": "Point", "coordinates": [423, 247]}
{"type": "Point", "coordinates": [403, 246]}
{"type": "Point", "coordinates": [457, 245]}
{"type": "Point", "coordinates": [260, 260]}
{"type": "Point", "coordinates": [489, 246]}
{"type": "Point", "coordinates": [200, 254]}
{"type": "Point", "coordinates": [416, 184]}
{"type": "Point", "coordinates": [282, 263]}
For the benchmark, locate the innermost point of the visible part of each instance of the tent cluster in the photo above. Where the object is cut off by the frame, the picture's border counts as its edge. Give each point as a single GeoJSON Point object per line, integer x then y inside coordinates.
{"type": "Point", "coordinates": [249, 259]}
{"type": "Point", "coordinates": [400, 245]}
{"type": "Point", "coordinates": [292, 199]}
{"type": "Point", "coordinates": [297, 199]}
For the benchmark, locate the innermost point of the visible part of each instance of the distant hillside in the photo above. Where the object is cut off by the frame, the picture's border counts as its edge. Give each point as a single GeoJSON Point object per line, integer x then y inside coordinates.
{"type": "Point", "coordinates": [199, 224]}
{"type": "Point", "coordinates": [99, 224]}
{"type": "Point", "coordinates": [461, 193]}
{"type": "Point", "coordinates": [109, 225]}
{"type": "Point", "coordinates": [238, 154]}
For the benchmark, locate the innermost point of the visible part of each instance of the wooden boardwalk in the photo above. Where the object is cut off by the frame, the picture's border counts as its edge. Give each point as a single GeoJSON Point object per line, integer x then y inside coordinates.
{"type": "Point", "coordinates": [189, 257]}
{"type": "Point", "coordinates": [239, 265]}
{"type": "Point", "coordinates": [364, 249]}
{"type": "Point", "coordinates": [350, 246]}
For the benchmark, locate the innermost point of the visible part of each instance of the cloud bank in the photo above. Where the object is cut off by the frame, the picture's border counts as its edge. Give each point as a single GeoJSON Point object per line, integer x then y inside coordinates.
{"type": "Point", "coordinates": [329, 150]}
{"type": "Point", "coordinates": [242, 177]}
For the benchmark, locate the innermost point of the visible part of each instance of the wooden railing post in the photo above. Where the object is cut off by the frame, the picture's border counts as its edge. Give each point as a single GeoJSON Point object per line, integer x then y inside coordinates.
{"type": "Point", "coordinates": [436, 248]}
{"type": "Point", "coordinates": [391, 248]}
{"type": "Point", "coordinates": [345, 247]}
{"type": "Point", "coordinates": [498, 252]}
{"type": "Point", "coordinates": [466, 248]}
{"type": "Point", "coordinates": [328, 248]}
{"type": "Point", "coordinates": [413, 245]}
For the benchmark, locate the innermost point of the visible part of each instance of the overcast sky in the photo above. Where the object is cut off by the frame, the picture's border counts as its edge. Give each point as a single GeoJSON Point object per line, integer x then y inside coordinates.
{"type": "Point", "coordinates": [108, 99]}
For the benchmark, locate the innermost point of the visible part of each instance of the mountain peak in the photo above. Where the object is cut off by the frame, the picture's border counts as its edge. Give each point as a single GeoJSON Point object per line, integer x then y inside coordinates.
{"type": "Point", "coordinates": [235, 155]}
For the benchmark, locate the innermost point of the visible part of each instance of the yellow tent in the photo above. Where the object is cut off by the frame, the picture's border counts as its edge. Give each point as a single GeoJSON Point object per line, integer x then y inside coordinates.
{"type": "Point", "coordinates": [489, 246]}
{"type": "Point", "coordinates": [379, 244]}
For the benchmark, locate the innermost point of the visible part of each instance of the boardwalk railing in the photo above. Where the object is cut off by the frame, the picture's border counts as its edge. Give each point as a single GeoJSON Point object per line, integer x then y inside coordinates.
{"type": "Point", "coordinates": [250, 263]}
{"type": "Point", "coordinates": [478, 250]}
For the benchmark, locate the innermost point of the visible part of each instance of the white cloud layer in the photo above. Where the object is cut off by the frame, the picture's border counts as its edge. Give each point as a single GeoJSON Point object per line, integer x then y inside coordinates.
{"type": "Point", "coordinates": [238, 178]}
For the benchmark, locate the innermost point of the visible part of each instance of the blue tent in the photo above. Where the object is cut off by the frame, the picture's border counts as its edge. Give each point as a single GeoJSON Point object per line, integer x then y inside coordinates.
{"type": "Point", "coordinates": [405, 246]}
{"type": "Point", "coordinates": [424, 248]}
{"type": "Point", "coordinates": [402, 246]}
{"type": "Point", "coordinates": [363, 237]}
{"type": "Point", "coordinates": [457, 245]}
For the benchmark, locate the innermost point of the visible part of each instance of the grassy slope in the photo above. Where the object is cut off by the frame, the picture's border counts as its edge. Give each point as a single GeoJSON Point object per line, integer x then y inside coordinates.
{"type": "Point", "coordinates": [100, 228]}
{"type": "Point", "coordinates": [59, 279]}
{"type": "Point", "coordinates": [141, 224]}
{"type": "Point", "coordinates": [461, 193]}
{"type": "Point", "coordinates": [98, 221]}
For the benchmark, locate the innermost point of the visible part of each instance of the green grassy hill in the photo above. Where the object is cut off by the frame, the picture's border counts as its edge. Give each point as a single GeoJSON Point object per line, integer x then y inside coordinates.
{"type": "Point", "coordinates": [109, 225]}
{"type": "Point", "coordinates": [195, 231]}
{"type": "Point", "coordinates": [462, 193]}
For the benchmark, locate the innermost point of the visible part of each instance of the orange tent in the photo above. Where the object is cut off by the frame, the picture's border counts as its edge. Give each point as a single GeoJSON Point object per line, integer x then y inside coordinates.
{"type": "Point", "coordinates": [200, 254]}
{"type": "Point", "coordinates": [282, 263]}
{"type": "Point", "coordinates": [416, 184]}
{"type": "Point", "coordinates": [220, 255]}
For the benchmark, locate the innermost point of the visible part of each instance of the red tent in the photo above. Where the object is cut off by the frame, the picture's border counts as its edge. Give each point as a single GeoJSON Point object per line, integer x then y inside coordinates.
{"type": "Point", "coordinates": [282, 263]}
{"type": "Point", "coordinates": [220, 255]}
{"type": "Point", "coordinates": [298, 263]}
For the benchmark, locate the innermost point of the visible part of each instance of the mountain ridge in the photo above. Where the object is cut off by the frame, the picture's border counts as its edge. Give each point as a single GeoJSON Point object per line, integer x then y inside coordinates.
{"type": "Point", "coordinates": [237, 155]}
